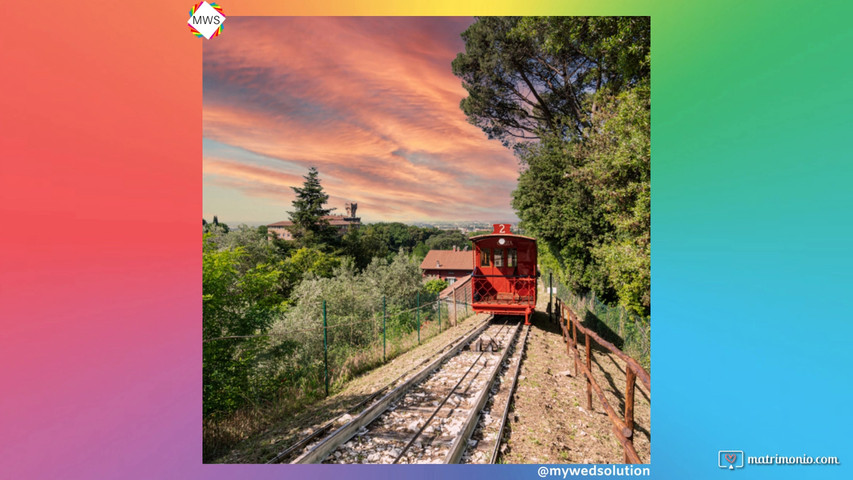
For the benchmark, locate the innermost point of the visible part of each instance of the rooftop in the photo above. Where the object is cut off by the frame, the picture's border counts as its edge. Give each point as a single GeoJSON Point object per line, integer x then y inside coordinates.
{"type": "Point", "coordinates": [334, 220]}
{"type": "Point", "coordinates": [448, 260]}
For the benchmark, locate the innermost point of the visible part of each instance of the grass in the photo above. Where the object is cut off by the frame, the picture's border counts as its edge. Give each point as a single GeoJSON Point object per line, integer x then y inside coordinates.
{"type": "Point", "coordinates": [221, 434]}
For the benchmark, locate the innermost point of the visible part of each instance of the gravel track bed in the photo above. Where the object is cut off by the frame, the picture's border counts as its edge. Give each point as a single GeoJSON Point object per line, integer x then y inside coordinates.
{"type": "Point", "coordinates": [331, 426]}
{"type": "Point", "coordinates": [486, 434]}
{"type": "Point", "coordinates": [289, 428]}
{"type": "Point", "coordinates": [549, 421]}
{"type": "Point", "coordinates": [384, 439]}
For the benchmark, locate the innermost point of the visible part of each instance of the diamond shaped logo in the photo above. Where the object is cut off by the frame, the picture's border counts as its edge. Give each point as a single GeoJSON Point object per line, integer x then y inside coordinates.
{"type": "Point", "coordinates": [206, 20]}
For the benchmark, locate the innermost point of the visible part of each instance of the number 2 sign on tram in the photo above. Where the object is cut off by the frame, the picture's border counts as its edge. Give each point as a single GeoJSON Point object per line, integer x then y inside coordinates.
{"type": "Point", "coordinates": [501, 228]}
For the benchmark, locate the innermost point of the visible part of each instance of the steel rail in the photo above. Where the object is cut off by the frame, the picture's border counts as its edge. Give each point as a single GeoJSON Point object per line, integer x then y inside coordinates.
{"type": "Point", "coordinates": [435, 412]}
{"type": "Point", "coordinates": [347, 431]}
{"type": "Point", "coordinates": [447, 397]}
{"type": "Point", "coordinates": [499, 438]}
{"type": "Point", "coordinates": [461, 441]}
{"type": "Point", "coordinates": [324, 428]}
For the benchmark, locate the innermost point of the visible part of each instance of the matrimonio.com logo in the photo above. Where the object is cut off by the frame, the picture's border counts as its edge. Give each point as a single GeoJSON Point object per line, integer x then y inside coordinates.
{"type": "Point", "coordinates": [206, 20]}
{"type": "Point", "coordinates": [734, 459]}
{"type": "Point", "coordinates": [730, 459]}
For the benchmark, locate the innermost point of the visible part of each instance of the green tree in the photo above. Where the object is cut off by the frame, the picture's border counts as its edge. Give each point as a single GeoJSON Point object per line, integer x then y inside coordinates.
{"type": "Point", "coordinates": [420, 251]}
{"type": "Point", "coordinates": [397, 235]}
{"type": "Point", "coordinates": [562, 213]}
{"type": "Point", "coordinates": [570, 95]}
{"type": "Point", "coordinates": [309, 225]}
{"type": "Point", "coordinates": [256, 247]}
{"type": "Point", "coordinates": [233, 305]}
{"type": "Point", "coordinates": [618, 169]}
{"type": "Point", "coordinates": [363, 245]}
{"type": "Point", "coordinates": [352, 299]}
{"type": "Point", "coordinates": [399, 279]}
{"type": "Point", "coordinates": [448, 240]}
{"type": "Point", "coordinates": [528, 77]}
{"type": "Point", "coordinates": [215, 227]}
{"type": "Point", "coordinates": [313, 261]}
{"type": "Point", "coordinates": [435, 285]}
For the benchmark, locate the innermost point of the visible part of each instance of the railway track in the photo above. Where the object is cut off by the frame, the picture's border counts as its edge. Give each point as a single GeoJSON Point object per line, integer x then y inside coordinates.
{"type": "Point", "coordinates": [486, 441]}
{"type": "Point", "coordinates": [428, 418]}
{"type": "Point", "coordinates": [312, 439]}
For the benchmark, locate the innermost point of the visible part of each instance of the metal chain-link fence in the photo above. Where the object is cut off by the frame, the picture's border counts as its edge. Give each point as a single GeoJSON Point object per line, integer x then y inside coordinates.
{"type": "Point", "coordinates": [313, 353]}
{"type": "Point", "coordinates": [628, 331]}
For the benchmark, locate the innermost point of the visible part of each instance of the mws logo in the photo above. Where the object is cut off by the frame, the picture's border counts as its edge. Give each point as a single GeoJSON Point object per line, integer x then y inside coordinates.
{"type": "Point", "coordinates": [206, 20]}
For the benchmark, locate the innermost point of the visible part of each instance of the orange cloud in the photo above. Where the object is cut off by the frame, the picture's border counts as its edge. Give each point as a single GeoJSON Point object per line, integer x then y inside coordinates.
{"type": "Point", "coordinates": [371, 102]}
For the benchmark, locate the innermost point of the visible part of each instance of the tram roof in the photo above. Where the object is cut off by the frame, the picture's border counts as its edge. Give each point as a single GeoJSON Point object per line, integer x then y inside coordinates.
{"type": "Point", "coordinates": [501, 235]}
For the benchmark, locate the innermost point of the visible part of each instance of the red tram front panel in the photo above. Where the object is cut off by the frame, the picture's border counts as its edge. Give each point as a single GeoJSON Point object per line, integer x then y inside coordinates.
{"type": "Point", "coordinates": [504, 278]}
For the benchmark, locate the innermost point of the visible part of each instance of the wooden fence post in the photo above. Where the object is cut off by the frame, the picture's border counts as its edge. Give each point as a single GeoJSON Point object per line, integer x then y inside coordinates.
{"type": "Point", "coordinates": [630, 379]}
{"type": "Point", "coordinates": [566, 325]}
{"type": "Point", "coordinates": [575, 332]}
{"type": "Point", "coordinates": [588, 379]}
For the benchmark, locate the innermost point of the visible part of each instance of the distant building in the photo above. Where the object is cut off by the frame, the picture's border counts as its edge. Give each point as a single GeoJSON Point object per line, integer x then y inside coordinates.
{"type": "Point", "coordinates": [341, 223]}
{"type": "Point", "coordinates": [448, 264]}
{"type": "Point", "coordinates": [459, 291]}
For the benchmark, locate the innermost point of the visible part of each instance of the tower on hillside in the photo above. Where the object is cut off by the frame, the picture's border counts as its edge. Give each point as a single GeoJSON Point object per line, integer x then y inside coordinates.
{"type": "Point", "coordinates": [351, 208]}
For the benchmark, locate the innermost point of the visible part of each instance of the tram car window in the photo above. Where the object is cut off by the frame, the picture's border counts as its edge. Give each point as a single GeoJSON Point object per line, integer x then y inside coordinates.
{"type": "Point", "coordinates": [484, 257]}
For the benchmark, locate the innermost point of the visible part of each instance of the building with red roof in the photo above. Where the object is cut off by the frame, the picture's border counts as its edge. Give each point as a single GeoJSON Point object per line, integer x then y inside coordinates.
{"type": "Point", "coordinates": [448, 264]}
{"type": "Point", "coordinates": [341, 223]}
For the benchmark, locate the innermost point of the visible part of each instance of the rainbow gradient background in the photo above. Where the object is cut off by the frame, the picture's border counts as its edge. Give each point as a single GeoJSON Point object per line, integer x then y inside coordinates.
{"type": "Point", "coordinates": [100, 265]}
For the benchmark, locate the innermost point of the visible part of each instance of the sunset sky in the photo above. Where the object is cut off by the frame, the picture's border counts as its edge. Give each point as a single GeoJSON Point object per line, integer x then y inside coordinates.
{"type": "Point", "coordinates": [371, 102]}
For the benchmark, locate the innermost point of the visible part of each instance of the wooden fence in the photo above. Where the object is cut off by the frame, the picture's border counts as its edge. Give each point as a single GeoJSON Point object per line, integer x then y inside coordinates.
{"type": "Point", "coordinates": [623, 427]}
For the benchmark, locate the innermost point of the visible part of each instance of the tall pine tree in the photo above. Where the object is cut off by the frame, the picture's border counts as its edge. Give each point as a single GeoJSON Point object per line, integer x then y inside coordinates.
{"type": "Point", "coordinates": [310, 228]}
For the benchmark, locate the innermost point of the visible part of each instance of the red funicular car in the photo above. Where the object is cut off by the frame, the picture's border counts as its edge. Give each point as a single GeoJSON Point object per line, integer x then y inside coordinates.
{"type": "Point", "coordinates": [504, 278]}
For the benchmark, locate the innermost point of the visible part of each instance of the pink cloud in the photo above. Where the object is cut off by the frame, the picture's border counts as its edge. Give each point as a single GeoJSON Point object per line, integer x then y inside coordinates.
{"type": "Point", "coordinates": [370, 102]}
